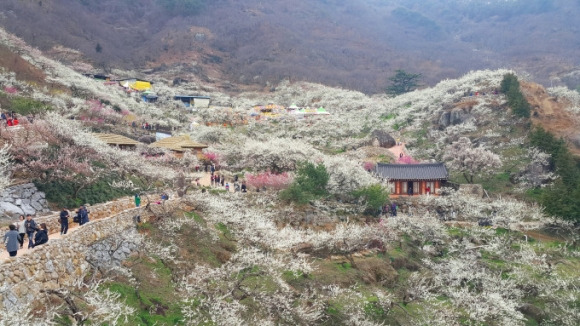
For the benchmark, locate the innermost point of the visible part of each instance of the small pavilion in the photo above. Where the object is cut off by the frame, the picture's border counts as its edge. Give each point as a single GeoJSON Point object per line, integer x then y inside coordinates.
{"type": "Point", "coordinates": [118, 141]}
{"type": "Point", "coordinates": [413, 179]}
{"type": "Point", "coordinates": [179, 145]}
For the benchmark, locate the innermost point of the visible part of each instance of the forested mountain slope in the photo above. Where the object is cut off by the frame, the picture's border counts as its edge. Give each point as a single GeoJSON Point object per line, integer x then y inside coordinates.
{"type": "Point", "coordinates": [355, 45]}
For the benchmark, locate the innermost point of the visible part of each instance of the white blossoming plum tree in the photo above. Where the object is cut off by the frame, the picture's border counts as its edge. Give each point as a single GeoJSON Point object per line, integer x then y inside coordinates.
{"type": "Point", "coordinates": [471, 161]}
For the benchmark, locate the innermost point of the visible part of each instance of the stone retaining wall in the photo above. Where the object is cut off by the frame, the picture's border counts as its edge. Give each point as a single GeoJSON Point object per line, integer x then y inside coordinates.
{"type": "Point", "coordinates": [22, 199]}
{"type": "Point", "coordinates": [63, 262]}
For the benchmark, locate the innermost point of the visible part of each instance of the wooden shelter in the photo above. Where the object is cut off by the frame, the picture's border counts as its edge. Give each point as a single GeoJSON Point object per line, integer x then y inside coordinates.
{"type": "Point", "coordinates": [413, 179]}
{"type": "Point", "coordinates": [179, 145]}
{"type": "Point", "coordinates": [118, 141]}
{"type": "Point", "coordinates": [193, 100]}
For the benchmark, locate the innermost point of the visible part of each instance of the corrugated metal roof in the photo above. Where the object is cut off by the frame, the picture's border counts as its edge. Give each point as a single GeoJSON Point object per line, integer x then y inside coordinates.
{"type": "Point", "coordinates": [113, 139]}
{"type": "Point", "coordinates": [426, 171]}
{"type": "Point", "coordinates": [177, 143]}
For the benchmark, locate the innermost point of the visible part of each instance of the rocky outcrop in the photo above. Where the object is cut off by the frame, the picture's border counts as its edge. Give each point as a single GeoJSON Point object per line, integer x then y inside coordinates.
{"type": "Point", "coordinates": [381, 138]}
{"type": "Point", "coordinates": [454, 117]}
{"type": "Point", "coordinates": [21, 200]}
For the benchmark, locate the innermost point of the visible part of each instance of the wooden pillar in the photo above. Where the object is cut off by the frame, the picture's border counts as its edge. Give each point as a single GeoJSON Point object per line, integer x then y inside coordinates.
{"type": "Point", "coordinates": [397, 187]}
{"type": "Point", "coordinates": [423, 186]}
{"type": "Point", "coordinates": [437, 186]}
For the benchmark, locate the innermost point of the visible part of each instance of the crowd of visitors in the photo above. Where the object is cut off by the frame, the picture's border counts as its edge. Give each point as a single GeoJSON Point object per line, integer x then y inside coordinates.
{"type": "Point", "coordinates": [217, 180]}
{"type": "Point", "coordinates": [9, 119]}
{"type": "Point", "coordinates": [37, 233]}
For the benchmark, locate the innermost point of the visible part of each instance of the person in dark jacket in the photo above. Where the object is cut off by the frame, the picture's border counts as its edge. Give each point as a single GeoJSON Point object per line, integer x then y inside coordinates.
{"type": "Point", "coordinates": [31, 227]}
{"type": "Point", "coordinates": [83, 215]}
{"type": "Point", "coordinates": [63, 220]}
{"type": "Point", "coordinates": [41, 235]}
{"type": "Point", "coordinates": [12, 240]}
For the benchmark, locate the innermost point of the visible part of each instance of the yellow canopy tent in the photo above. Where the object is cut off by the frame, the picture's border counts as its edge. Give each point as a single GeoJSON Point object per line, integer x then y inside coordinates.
{"type": "Point", "coordinates": [141, 85]}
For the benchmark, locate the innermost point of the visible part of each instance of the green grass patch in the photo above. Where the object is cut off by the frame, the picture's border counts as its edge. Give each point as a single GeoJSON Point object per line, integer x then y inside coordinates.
{"type": "Point", "coordinates": [196, 217]}
{"type": "Point", "coordinates": [224, 230]}
{"type": "Point", "coordinates": [373, 309]}
{"type": "Point", "coordinates": [457, 232]}
{"type": "Point", "coordinates": [501, 231]}
{"type": "Point", "coordinates": [343, 267]}
{"type": "Point", "coordinates": [26, 106]}
{"type": "Point", "coordinates": [155, 298]}
{"type": "Point", "coordinates": [145, 226]}
{"type": "Point", "coordinates": [216, 191]}
{"type": "Point", "coordinates": [390, 116]}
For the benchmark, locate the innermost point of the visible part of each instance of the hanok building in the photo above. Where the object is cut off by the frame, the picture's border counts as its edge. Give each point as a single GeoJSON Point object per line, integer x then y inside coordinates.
{"type": "Point", "coordinates": [118, 141]}
{"type": "Point", "coordinates": [179, 145]}
{"type": "Point", "coordinates": [413, 179]}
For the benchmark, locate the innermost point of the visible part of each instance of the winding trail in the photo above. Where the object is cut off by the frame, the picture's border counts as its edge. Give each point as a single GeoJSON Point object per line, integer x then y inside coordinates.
{"type": "Point", "coordinates": [397, 150]}
{"type": "Point", "coordinates": [53, 236]}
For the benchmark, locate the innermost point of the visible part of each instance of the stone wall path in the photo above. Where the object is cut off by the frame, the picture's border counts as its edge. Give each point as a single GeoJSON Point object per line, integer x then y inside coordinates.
{"type": "Point", "coordinates": [51, 237]}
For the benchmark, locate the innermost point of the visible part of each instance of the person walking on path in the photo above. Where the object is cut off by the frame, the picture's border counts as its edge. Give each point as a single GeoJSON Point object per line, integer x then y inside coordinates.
{"type": "Point", "coordinates": [12, 240]}
{"type": "Point", "coordinates": [394, 209]}
{"type": "Point", "coordinates": [21, 226]}
{"type": "Point", "coordinates": [63, 220]}
{"type": "Point", "coordinates": [41, 235]}
{"type": "Point", "coordinates": [30, 229]}
{"type": "Point", "coordinates": [137, 200]}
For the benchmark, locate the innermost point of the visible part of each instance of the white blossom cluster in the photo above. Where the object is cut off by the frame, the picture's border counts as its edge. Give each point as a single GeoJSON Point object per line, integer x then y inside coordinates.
{"type": "Point", "coordinates": [503, 211]}
{"type": "Point", "coordinates": [469, 160]}
{"type": "Point", "coordinates": [567, 94]}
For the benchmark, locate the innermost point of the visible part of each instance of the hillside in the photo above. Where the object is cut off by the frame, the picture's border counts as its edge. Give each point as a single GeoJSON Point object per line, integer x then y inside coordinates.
{"type": "Point", "coordinates": [356, 45]}
{"type": "Point", "coordinates": [309, 243]}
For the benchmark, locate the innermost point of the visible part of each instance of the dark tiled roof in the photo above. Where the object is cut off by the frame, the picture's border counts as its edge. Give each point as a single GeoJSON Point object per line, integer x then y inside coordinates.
{"type": "Point", "coordinates": [429, 171]}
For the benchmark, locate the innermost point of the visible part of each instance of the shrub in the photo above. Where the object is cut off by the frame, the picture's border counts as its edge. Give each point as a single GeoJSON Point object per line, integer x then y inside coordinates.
{"type": "Point", "coordinates": [510, 86]}
{"type": "Point", "coordinates": [25, 106]}
{"type": "Point", "coordinates": [71, 194]}
{"type": "Point", "coordinates": [563, 197]}
{"type": "Point", "coordinates": [310, 183]}
{"type": "Point", "coordinates": [374, 197]}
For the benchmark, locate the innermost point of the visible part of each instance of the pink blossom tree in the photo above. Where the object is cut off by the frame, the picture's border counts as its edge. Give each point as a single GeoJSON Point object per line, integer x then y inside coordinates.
{"type": "Point", "coordinates": [269, 180]}
{"type": "Point", "coordinates": [406, 159]}
{"type": "Point", "coordinates": [11, 90]}
{"type": "Point", "coordinates": [369, 166]}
